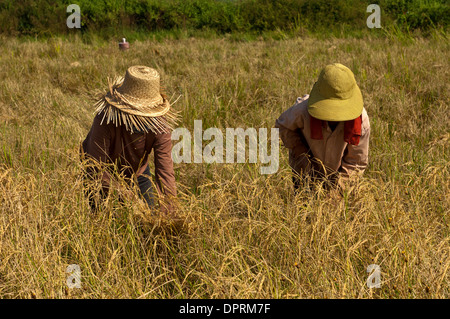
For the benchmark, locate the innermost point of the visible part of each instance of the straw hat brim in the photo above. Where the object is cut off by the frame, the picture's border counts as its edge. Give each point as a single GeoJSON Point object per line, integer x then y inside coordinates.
{"type": "Point", "coordinates": [334, 109]}
{"type": "Point", "coordinates": [136, 106]}
{"type": "Point", "coordinates": [136, 114]}
{"type": "Point", "coordinates": [145, 108]}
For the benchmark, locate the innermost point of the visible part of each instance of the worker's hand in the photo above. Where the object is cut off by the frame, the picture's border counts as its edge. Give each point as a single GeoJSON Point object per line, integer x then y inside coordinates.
{"type": "Point", "coordinates": [335, 195]}
{"type": "Point", "coordinates": [319, 170]}
{"type": "Point", "coordinates": [346, 184]}
{"type": "Point", "coordinates": [172, 216]}
{"type": "Point", "coordinates": [342, 183]}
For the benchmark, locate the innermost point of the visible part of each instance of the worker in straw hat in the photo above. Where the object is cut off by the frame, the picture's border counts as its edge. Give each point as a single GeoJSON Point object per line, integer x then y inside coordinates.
{"type": "Point", "coordinates": [327, 132]}
{"type": "Point", "coordinates": [133, 118]}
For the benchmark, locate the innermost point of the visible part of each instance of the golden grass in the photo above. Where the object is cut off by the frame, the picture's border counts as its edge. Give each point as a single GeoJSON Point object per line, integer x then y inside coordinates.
{"type": "Point", "coordinates": [251, 237]}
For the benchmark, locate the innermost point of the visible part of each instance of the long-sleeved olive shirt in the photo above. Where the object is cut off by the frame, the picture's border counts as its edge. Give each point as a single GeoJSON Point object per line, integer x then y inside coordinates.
{"type": "Point", "coordinates": [335, 154]}
{"type": "Point", "coordinates": [108, 143]}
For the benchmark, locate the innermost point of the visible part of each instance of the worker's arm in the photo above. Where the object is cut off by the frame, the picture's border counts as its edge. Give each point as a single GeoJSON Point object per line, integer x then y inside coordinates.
{"type": "Point", "coordinates": [164, 173]}
{"type": "Point", "coordinates": [97, 147]}
{"type": "Point", "coordinates": [289, 124]}
{"type": "Point", "coordinates": [356, 157]}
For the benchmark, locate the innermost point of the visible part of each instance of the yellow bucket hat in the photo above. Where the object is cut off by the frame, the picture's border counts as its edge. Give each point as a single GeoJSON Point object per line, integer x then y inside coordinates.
{"type": "Point", "coordinates": [335, 96]}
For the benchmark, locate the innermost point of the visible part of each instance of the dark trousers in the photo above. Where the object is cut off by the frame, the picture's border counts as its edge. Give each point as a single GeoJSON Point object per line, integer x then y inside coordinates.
{"type": "Point", "coordinates": [144, 183]}
{"type": "Point", "coordinates": [146, 187]}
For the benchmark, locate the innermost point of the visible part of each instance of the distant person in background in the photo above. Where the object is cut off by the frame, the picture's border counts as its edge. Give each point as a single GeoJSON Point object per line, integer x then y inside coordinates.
{"type": "Point", "coordinates": [327, 132]}
{"type": "Point", "coordinates": [132, 119]}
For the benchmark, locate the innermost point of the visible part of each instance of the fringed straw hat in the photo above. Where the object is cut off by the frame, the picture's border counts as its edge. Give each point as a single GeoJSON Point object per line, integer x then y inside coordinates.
{"type": "Point", "coordinates": [137, 102]}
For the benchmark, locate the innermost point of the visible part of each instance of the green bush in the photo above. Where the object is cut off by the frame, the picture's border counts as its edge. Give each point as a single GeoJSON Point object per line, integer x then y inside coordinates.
{"type": "Point", "coordinates": [222, 16]}
{"type": "Point", "coordinates": [418, 14]}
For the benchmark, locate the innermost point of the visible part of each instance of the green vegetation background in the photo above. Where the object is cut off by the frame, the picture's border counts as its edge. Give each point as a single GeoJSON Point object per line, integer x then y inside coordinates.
{"type": "Point", "coordinates": [110, 17]}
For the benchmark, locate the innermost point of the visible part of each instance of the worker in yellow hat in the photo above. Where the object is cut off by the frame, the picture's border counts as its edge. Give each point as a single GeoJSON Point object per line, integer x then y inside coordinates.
{"type": "Point", "coordinates": [327, 132]}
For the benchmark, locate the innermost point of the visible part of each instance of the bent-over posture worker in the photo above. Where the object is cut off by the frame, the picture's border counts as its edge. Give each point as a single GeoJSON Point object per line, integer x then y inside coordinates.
{"type": "Point", "coordinates": [327, 132]}
{"type": "Point", "coordinates": [132, 119]}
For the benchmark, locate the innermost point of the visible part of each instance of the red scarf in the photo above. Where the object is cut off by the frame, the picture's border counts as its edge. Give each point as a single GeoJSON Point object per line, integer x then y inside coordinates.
{"type": "Point", "coordinates": [352, 129]}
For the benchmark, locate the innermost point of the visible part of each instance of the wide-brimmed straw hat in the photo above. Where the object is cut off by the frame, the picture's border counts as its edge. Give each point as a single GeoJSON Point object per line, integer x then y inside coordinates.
{"type": "Point", "coordinates": [137, 102]}
{"type": "Point", "coordinates": [335, 96]}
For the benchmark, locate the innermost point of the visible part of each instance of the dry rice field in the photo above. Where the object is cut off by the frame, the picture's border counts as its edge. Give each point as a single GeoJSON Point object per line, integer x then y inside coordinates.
{"type": "Point", "coordinates": [248, 236]}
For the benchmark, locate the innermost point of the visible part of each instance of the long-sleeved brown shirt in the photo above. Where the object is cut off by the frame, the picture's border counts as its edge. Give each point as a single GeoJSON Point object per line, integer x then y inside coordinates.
{"type": "Point", "coordinates": [335, 154]}
{"type": "Point", "coordinates": [108, 143]}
